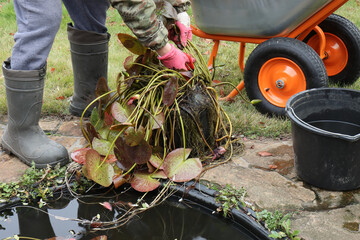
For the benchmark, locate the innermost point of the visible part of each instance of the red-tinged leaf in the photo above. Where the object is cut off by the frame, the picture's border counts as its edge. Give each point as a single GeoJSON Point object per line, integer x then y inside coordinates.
{"type": "Point", "coordinates": [100, 172]}
{"type": "Point", "coordinates": [118, 112]}
{"type": "Point", "coordinates": [106, 205]}
{"type": "Point", "coordinates": [186, 171]}
{"type": "Point", "coordinates": [207, 53]}
{"type": "Point", "coordinates": [129, 61]}
{"type": "Point", "coordinates": [143, 182]}
{"type": "Point", "coordinates": [110, 159]}
{"type": "Point", "coordinates": [187, 74]}
{"type": "Point", "coordinates": [102, 237]}
{"type": "Point", "coordinates": [133, 98]}
{"type": "Point", "coordinates": [156, 162]}
{"type": "Point", "coordinates": [159, 174]}
{"type": "Point", "coordinates": [12, 34]}
{"type": "Point", "coordinates": [139, 154]}
{"type": "Point", "coordinates": [132, 44]}
{"type": "Point", "coordinates": [52, 70]}
{"type": "Point", "coordinates": [101, 87]}
{"type": "Point", "coordinates": [133, 136]}
{"type": "Point", "coordinates": [79, 155]}
{"type": "Point", "coordinates": [108, 119]}
{"type": "Point", "coordinates": [90, 132]}
{"type": "Point", "coordinates": [120, 180]}
{"type": "Point", "coordinates": [264, 154]}
{"type": "Point", "coordinates": [60, 98]}
{"type": "Point", "coordinates": [157, 121]}
{"type": "Point", "coordinates": [170, 91]}
{"type": "Point", "coordinates": [180, 170]}
{"type": "Point", "coordinates": [102, 146]}
{"type": "Point", "coordinates": [121, 126]}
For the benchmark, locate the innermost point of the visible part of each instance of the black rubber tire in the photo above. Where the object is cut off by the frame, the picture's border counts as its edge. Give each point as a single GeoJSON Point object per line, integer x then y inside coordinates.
{"type": "Point", "coordinates": [300, 53]}
{"type": "Point", "coordinates": [350, 35]}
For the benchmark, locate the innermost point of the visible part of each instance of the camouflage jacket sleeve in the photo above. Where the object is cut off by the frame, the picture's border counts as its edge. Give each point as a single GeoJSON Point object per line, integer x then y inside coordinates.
{"type": "Point", "coordinates": [145, 21]}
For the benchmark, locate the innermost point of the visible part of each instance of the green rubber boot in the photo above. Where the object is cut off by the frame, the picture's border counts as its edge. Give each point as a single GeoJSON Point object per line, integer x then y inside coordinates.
{"type": "Point", "coordinates": [23, 136]}
{"type": "Point", "coordinates": [89, 56]}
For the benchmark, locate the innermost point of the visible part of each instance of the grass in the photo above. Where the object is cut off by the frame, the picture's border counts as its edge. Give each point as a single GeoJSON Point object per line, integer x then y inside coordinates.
{"type": "Point", "coordinates": [59, 85]}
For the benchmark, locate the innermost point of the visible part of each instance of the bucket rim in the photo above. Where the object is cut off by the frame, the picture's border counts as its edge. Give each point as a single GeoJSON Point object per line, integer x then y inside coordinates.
{"type": "Point", "coordinates": [293, 117]}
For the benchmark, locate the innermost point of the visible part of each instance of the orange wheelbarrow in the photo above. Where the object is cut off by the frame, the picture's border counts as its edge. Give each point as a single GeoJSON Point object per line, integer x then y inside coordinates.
{"type": "Point", "coordinates": [302, 45]}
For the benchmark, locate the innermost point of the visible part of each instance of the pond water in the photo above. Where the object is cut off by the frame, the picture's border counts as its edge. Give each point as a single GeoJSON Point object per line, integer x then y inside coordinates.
{"type": "Point", "coordinates": [173, 219]}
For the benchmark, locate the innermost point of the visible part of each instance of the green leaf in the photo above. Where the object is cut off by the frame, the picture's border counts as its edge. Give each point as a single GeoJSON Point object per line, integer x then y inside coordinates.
{"type": "Point", "coordinates": [100, 172]}
{"type": "Point", "coordinates": [95, 117]}
{"type": "Point", "coordinates": [132, 44]}
{"type": "Point", "coordinates": [102, 146]}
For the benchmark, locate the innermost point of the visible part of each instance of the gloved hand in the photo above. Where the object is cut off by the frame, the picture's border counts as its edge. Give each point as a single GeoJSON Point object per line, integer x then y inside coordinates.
{"type": "Point", "coordinates": [176, 59]}
{"type": "Point", "coordinates": [181, 32]}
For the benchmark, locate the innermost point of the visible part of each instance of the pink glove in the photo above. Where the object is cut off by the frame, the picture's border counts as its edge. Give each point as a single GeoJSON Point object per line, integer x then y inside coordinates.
{"type": "Point", "coordinates": [180, 35]}
{"type": "Point", "coordinates": [176, 59]}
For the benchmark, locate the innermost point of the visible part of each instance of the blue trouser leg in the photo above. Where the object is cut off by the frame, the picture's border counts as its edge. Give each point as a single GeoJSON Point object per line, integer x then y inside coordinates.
{"type": "Point", "coordinates": [88, 15]}
{"type": "Point", "coordinates": [38, 22]}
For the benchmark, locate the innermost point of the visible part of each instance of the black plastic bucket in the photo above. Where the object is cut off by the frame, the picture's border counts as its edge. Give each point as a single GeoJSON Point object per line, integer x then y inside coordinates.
{"type": "Point", "coordinates": [325, 125]}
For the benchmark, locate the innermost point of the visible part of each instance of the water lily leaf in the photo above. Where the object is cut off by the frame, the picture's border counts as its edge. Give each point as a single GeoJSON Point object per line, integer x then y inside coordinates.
{"type": "Point", "coordinates": [110, 159]}
{"type": "Point", "coordinates": [100, 172]}
{"type": "Point", "coordinates": [139, 154]}
{"type": "Point", "coordinates": [156, 162]}
{"type": "Point", "coordinates": [122, 163]}
{"type": "Point", "coordinates": [132, 44]}
{"type": "Point", "coordinates": [94, 117]}
{"type": "Point", "coordinates": [129, 61]}
{"type": "Point", "coordinates": [108, 119]}
{"type": "Point", "coordinates": [118, 112]}
{"type": "Point", "coordinates": [90, 132]}
{"type": "Point", "coordinates": [157, 121]}
{"type": "Point", "coordinates": [170, 91]}
{"type": "Point", "coordinates": [79, 155]}
{"type": "Point", "coordinates": [159, 174]}
{"type": "Point", "coordinates": [102, 146]}
{"type": "Point", "coordinates": [121, 126]}
{"type": "Point", "coordinates": [133, 136]}
{"type": "Point", "coordinates": [180, 170]}
{"type": "Point", "coordinates": [119, 180]}
{"type": "Point", "coordinates": [104, 132]}
{"type": "Point", "coordinates": [101, 87]}
{"type": "Point", "coordinates": [143, 182]}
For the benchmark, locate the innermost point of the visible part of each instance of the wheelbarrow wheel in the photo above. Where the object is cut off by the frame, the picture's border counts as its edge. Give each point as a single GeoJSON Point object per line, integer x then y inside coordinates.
{"type": "Point", "coordinates": [279, 68]}
{"type": "Point", "coordinates": [342, 49]}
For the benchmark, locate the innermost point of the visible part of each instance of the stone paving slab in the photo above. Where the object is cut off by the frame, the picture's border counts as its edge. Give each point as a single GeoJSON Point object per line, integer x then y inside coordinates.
{"type": "Point", "coordinates": [265, 168]}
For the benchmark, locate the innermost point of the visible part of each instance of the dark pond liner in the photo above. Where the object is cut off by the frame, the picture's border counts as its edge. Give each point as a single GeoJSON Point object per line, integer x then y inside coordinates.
{"type": "Point", "coordinates": [192, 192]}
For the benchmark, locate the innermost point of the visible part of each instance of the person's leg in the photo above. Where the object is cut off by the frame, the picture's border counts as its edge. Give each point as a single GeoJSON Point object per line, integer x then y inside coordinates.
{"type": "Point", "coordinates": [38, 21]}
{"type": "Point", "coordinates": [37, 24]}
{"type": "Point", "coordinates": [89, 49]}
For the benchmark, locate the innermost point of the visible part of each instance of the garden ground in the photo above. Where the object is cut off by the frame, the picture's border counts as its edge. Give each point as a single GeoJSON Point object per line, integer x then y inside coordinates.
{"type": "Point", "coordinates": [264, 167]}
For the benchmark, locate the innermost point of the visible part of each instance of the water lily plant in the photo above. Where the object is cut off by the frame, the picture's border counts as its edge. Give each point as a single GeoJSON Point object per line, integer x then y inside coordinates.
{"type": "Point", "coordinates": [137, 134]}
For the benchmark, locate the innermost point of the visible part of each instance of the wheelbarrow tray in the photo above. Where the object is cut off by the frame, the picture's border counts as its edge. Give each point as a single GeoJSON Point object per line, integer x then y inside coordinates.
{"type": "Point", "coordinates": [253, 18]}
